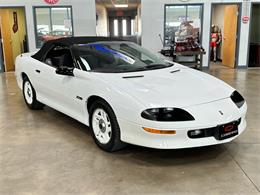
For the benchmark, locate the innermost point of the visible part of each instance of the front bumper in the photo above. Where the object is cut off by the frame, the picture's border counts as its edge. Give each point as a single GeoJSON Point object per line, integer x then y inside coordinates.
{"type": "Point", "coordinates": [134, 133]}
{"type": "Point", "coordinates": [137, 136]}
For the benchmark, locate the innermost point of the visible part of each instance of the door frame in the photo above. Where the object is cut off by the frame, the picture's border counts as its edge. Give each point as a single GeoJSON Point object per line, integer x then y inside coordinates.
{"type": "Point", "coordinates": [250, 33]}
{"type": "Point", "coordinates": [2, 66]}
{"type": "Point", "coordinates": [26, 30]}
{"type": "Point", "coordinates": [238, 29]}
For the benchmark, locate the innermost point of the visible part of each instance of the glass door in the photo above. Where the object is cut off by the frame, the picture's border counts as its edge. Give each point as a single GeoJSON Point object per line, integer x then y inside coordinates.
{"type": "Point", "coordinates": [254, 49]}
{"type": "Point", "coordinates": [121, 26]}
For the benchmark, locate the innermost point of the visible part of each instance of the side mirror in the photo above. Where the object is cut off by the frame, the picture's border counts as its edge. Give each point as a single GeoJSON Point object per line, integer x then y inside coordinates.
{"type": "Point", "coordinates": [63, 70]}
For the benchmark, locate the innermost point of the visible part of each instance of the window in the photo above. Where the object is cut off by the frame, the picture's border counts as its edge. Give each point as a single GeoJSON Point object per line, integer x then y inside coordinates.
{"type": "Point", "coordinates": [132, 27]}
{"type": "Point", "coordinates": [115, 27]}
{"type": "Point", "coordinates": [176, 14]}
{"type": "Point", "coordinates": [51, 23]}
{"type": "Point", "coordinates": [124, 27]}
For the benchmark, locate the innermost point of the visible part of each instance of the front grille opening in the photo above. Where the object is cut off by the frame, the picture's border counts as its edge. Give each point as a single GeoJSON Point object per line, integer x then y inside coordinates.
{"type": "Point", "coordinates": [209, 132]}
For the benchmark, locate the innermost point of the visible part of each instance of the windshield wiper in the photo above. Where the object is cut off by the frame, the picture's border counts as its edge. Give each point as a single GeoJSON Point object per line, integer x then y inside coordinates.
{"type": "Point", "coordinates": [153, 67]}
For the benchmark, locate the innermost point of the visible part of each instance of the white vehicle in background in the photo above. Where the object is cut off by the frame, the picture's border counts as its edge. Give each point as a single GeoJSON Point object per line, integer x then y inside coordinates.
{"type": "Point", "coordinates": [128, 95]}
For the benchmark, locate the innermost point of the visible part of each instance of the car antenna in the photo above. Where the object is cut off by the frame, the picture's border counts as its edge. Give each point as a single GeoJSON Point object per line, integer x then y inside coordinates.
{"type": "Point", "coordinates": [161, 39]}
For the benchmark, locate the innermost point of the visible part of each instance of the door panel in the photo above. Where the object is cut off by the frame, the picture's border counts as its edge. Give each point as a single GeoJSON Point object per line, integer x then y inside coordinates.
{"type": "Point", "coordinates": [7, 42]}
{"type": "Point", "coordinates": [58, 91]}
{"type": "Point", "coordinates": [12, 21]}
{"type": "Point", "coordinates": [229, 35]}
{"type": "Point", "coordinates": [75, 101]}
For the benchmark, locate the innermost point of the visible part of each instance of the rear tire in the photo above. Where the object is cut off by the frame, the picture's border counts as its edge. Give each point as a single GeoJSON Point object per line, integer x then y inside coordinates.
{"type": "Point", "coordinates": [104, 127]}
{"type": "Point", "coordinates": [29, 95]}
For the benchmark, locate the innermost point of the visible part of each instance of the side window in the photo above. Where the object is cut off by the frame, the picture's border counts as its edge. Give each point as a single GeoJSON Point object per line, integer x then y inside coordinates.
{"type": "Point", "coordinates": [59, 56]}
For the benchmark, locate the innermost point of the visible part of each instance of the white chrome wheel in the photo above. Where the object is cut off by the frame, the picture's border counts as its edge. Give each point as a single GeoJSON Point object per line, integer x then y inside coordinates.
{"type": "Point", "coordinates": [28, 92]}
{"type": "Point", "coordinates": [101, 125]}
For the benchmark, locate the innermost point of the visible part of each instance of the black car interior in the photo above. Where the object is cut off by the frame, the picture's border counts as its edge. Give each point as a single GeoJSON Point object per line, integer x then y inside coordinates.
{"type": "Point", "coordinates": [97, 60]}
{"type": "Point", "coordinates": [59, 56]}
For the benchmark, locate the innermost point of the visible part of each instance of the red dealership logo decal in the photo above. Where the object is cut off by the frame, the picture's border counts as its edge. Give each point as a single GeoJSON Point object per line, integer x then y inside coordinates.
{"type": "Point", "coordinates": [229, 128]}
{"type": "Point", "coordinates": [51, 1]}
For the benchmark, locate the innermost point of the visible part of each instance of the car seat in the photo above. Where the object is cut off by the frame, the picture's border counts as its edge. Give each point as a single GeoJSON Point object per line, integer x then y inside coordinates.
{"type": "Point", "coordinates": [66, 60]}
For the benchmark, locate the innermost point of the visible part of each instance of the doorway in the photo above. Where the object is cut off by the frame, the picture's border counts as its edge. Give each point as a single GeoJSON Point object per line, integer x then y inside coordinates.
{"type": "Point", "coordinates": [224, 35]}
{"type": "Point", "coordinates": [121, 26]}
{"type": "Point", "coordinates": [13, 35]}
{"type": "Point", "coordinates": [121, 19]}
{"type": "Point", "coordinates": [254, 44]}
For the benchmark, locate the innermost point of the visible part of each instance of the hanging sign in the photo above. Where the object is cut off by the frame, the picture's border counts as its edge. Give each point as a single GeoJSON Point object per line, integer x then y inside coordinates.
{"type": "Point", "coordinates": [52, 2]}
{"type": "Point", "coordinates": [119, 13]}
{"type": "Point", "coordinates": [15, 25]}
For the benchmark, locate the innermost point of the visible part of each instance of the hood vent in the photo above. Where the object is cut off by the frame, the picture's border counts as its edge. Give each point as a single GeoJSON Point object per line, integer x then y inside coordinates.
{"type": "Point", "coordinates": [178, 70]}
{"type": "Point", "coordinates": [132, 77]}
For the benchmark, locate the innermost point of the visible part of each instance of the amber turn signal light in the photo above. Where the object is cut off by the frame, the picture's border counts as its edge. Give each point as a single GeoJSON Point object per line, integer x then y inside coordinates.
{"type": "Point", "coordinates": [156, 131]}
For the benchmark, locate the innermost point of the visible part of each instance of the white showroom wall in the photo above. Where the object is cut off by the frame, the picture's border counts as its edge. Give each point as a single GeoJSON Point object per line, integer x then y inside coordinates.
{"type": "Point", "coordinates": [102, 21]}
{"type": "Point", "coordinates": [152, 21]}
{"type": "Point", "coordinates": [153, 25]}
{"type": "Point", "coordinates": [84, 16]}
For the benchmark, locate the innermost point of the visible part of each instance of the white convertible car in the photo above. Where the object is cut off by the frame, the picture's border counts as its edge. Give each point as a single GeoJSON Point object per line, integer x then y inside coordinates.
{"type": "Point", "coordinates": [128, 95]}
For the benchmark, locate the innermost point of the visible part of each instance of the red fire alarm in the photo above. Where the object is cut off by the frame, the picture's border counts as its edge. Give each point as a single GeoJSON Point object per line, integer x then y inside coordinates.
{"type": "Point", "coordinates": [52, 2]}
{"type": "Point", "coordinates": [245, 19]}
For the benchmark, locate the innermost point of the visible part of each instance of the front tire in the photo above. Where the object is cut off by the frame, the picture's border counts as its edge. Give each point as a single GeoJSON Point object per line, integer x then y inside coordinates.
{"type": "Point", "coordinates": [104, 127]}
{"type": "Point", "coordinates": [29, 95]}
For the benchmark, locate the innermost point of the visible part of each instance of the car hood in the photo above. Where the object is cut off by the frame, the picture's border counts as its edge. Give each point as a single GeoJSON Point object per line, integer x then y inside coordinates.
{"type": "Point", "coordinates": [177, 86]}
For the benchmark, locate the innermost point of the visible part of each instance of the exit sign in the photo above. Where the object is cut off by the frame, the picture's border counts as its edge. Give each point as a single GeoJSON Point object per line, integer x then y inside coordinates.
{"type": "Point", "coordinates": [52, 2]}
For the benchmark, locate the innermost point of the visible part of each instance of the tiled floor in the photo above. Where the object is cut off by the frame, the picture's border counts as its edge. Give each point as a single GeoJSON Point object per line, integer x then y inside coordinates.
{"type": "Point", "coordinates": [217, 65]}
{"type": "Point", "coordinates": [46, 152]}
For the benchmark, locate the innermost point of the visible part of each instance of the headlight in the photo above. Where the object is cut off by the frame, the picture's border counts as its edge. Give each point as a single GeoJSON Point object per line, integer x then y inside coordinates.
{"type": "Point", "coordinates": [167, 114]}
{"type": "Point", "coordinates": [237, 99]}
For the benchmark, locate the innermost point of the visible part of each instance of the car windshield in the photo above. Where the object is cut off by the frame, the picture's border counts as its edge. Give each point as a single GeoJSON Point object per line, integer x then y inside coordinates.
{"type": "Point", "coordinates": [115, 57]}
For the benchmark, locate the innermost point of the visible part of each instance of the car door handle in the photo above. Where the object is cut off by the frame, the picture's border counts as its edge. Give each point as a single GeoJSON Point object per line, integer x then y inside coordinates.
{"type": "Point", "coordinates": [38, 71]}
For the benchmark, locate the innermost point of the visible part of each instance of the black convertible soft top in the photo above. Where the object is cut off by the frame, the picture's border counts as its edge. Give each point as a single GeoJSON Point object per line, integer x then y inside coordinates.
{"type": "Point", "coordinates": [67, 42]}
